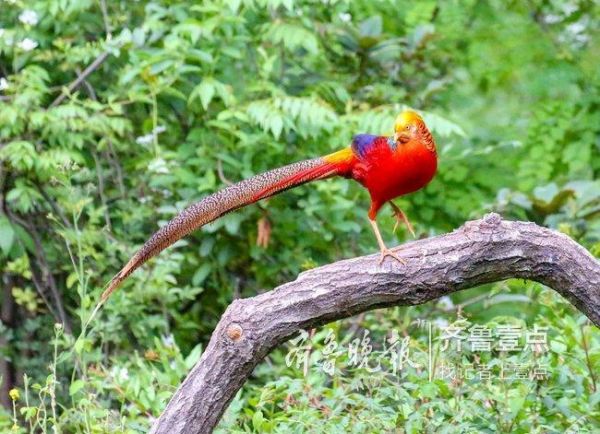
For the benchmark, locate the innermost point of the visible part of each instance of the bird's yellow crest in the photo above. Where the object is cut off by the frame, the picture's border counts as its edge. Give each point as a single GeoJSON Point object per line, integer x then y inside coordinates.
{"type": "Point", "coordinates": [406, 119]}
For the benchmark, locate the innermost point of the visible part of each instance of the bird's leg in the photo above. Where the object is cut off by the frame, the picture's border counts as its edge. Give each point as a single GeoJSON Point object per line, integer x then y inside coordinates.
{"type": "Point", "coordinates": [401, 217]}
{"type": "Point", "coordinates": [384, 250]}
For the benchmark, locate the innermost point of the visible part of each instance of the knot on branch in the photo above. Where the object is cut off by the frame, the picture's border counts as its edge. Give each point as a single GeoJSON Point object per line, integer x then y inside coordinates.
{"type": "Point", "coordinates": [234, 332]}
{"type": "Point", "coordinates": [492, 219]}
{"type": "Point", "coordinates": [486, 226]}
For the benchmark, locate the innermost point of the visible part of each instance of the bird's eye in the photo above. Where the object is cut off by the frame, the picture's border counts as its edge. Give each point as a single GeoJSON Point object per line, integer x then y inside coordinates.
{"type": "Point", "coordinates": [407, 127]}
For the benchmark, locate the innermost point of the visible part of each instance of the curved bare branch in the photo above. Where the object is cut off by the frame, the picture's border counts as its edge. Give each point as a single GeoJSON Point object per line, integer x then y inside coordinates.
{"type": "Point", "coordinates": [481, 251]}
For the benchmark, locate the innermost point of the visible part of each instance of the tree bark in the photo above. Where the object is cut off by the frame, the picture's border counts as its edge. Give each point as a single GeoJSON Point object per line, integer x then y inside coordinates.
{"type": "Point", "coordinates": [7, 318]}
{"type": "Point", "coordinates": [481, 251]}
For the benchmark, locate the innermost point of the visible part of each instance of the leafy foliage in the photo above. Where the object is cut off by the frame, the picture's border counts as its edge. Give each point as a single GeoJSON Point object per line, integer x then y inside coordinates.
{"type": "Point", "coordinates": [181, 98]}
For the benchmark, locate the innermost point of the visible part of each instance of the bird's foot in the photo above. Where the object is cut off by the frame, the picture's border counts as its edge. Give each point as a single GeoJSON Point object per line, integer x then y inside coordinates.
{"type": "Point", "coordinates": [401, 218]}
{"type": "Point", "coordinates": [387, 252]}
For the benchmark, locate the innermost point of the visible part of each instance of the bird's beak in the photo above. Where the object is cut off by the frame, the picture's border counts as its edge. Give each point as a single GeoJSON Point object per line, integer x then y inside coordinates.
{"type": "Point", "coordinates": [401, 137]}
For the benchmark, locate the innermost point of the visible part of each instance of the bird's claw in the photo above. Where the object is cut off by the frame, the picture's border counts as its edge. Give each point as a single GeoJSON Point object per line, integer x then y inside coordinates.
{"type": "Point", "coordinates": [388, 252]}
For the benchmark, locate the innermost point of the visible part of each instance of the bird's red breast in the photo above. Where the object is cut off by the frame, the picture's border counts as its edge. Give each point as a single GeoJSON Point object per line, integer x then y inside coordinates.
{"type": "Point", "coordinates": [388, 173]}
{"type": "Point", "coordinates": [391, 166]}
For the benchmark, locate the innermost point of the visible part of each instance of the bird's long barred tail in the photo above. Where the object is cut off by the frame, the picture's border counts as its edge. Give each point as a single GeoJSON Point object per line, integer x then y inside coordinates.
{"type": "Point", "coordinates": [217, 204]}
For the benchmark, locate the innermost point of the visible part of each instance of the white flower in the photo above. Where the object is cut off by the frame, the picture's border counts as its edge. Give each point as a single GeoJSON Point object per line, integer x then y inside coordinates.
{"type": "Point", "coordinates": [28, 44]}
{"type": "Point", "coordinates": [149, 138]}
{"type": "Point", "coordinates": [4, 84]}
{"type": "Point", "coordinates": [569, 8]}
{"type": "Point", "coordinates": [124, 374]}
{"type": "Point", "coordinates": [446, 303]}
{"type": "Point", "coordinates": [168, 340]}
{"type": "Point", "coordinates": [582, 39]}
{"type": "Point", "coordinates": [576, 27]}
{"type": "Point", "coordinates": [441, 323]}
{"type": "Point", "coordinates": [145, 140]}
{"type": "Point", "coordinates": [158, 166]}
{"type": "Point", "coordinates": [345, 17]}
{"type": "Point", "coordinates": [552, 19]}
{"type": "Point", "coordinates": [121, 374]}
{"type": "Point", "coordinates": [29, 17]}
{"type": "Point", "coordinates": [1, 32]}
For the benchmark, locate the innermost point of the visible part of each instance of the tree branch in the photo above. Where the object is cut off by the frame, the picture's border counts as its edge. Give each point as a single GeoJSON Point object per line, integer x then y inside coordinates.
{"type": "Point", "coordinates": [482, 251]}
{"type": "Point", "coordinates": [80, 78]}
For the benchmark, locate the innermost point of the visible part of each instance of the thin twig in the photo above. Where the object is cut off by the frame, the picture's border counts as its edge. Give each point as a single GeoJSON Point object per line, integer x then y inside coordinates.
{"type": "Point", "coordinates": [116, 166]}
{"type": "Point", "coordinates": [81, 78]}
{"type": "Point", "coordinates": [53, 205]}
{"type": "Point", "coordinates": [100, 176]}
{"type": "Point", "coordinates": [112, 159]}
{"type": "Point", "coordinates": [34, 276]}
{"type": "Point", "coordinates": [44, 267]}
{"type": "Point", "coordinates": [88, 87]}
{"type": "Point", "coordinates": [222, 177]}
{"type": "Point", "coordinates": [105, 19]}
{"type": "Point", "coordinates": [48, 277]}
{"type": "Point", "coordinates": [587, 359]}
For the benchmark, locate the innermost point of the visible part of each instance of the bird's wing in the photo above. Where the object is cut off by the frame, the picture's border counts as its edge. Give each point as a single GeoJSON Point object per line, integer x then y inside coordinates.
{"type": "Point", "coordinates": [364, 144]}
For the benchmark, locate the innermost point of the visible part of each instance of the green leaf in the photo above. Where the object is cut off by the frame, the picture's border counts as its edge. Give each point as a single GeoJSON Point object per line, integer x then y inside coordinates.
{"type": "Point", "coordinates": [292, 36]}
{"type": "Point", "coordinates": [21, 154]}
{"type": "Point", "coordinates": [276, 126]}
{"type": "Point", "coordinates": [257, 420]}
{"type": "Point", "coordinates": [201, 274]}
{"type": "Point", "coordinates": [76, 386]}
{"type": "Point", "coordinates": [72, 278]}
{"type": "Point", "coordinates": [205, 91]}
{"type": "Point", "coordinates": [25, 238]}
{"type": "Point", "coordinates": [7, 235]}
{"type": "Point", "coordinates": [193, 356]}
{"type": "Point", "coordinates": [371, 26]}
